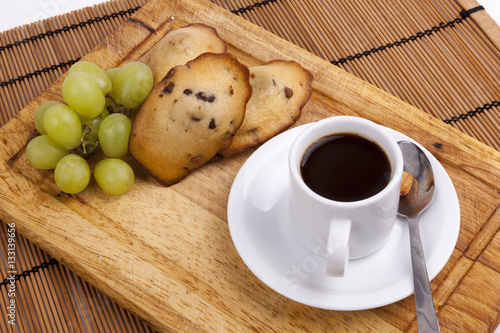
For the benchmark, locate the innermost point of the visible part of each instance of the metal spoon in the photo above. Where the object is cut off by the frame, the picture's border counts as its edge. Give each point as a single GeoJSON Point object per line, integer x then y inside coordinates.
{"type": "Point", "coordinates": [411, 206]}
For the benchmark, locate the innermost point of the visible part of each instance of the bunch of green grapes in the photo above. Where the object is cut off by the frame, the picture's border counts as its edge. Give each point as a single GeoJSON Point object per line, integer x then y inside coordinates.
{"type": "Point", "coordinates": [94, 117]}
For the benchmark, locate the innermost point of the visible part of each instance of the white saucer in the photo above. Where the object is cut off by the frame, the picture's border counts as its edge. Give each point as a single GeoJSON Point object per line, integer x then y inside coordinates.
{"type": "Point", "coordinates": [256, 214]}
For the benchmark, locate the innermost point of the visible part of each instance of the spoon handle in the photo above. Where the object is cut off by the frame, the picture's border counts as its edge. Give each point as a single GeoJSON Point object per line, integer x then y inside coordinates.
{"type": "Point", "coordinates": [426, 313]}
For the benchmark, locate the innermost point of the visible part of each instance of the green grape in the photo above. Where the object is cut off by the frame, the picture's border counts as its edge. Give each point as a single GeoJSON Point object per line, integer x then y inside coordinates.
{"type": "Point", "coordinates": [83, 94]}
{"type": "Point", "coordinates": [95, 71]}
{"type": "Point", "coordinates": [93, 122]}
{"type": "Point", "coordinates": [40, 113]}
{"type": "Point", "coordinates": [72, 174]}
{"type": "Point", "coordinates": [114, 134]}
{"type": "Point", "coordinates": [63, 126]}
{"type": "Point", "coordinates": [132, 84]}
{"type": "Point", "coordinates": [114, 176]}
{"type": "Point", "coordinates": [112, 73]}
{"type": "Point", "coordinates": [43, 153]}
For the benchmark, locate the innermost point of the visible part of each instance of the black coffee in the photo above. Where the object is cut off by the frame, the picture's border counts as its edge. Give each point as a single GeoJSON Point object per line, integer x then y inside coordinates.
{"type": "Point", "coordinates": [345, 167]}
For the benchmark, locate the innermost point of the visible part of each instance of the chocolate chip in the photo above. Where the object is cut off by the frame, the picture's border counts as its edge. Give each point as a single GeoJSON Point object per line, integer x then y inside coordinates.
{"type": "Point", "coordinates": [188, 92]}
{"type": "Point", "coordinates": [196, 159]}
{"type": "Point", "coordinates": [161, 95]}
{"type": "Point", "coordinates": [195, 119]}
{"type": "Point", "coordinates": [206, 97]}
{"type": "Point", "coordinates": [170, 73]}
{"type": "Point", "coordinates": [288, 92]}
{"type": "Point", "coordinates": [231, 90]}
{"type": "Point", "coordinates": [168, 89]}
{"type": "Point", "coordinates": [212, 124]}
{"type": "Point", "coordinates": [274, 83]}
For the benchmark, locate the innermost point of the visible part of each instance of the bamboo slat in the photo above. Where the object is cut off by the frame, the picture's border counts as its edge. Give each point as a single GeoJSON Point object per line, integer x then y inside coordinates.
{"type": "Point", "coordinates": [429, 54]}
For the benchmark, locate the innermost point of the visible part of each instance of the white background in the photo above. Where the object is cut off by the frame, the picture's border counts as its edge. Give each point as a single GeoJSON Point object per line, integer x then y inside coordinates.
{"type": "Point", "coordinates": [14, 13]}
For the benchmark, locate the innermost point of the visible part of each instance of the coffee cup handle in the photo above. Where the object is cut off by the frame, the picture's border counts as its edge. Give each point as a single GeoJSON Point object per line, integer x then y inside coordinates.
{"type": "Point", "coordinates": [338, 247]}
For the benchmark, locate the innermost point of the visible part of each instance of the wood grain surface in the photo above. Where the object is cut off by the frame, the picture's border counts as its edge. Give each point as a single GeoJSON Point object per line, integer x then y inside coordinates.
{"type": "Point", "coordinates": [166, 253]}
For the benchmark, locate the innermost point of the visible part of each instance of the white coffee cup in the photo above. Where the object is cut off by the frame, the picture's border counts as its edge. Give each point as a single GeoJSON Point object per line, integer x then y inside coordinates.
{"type": "Point", "coordinates": [339, 230]}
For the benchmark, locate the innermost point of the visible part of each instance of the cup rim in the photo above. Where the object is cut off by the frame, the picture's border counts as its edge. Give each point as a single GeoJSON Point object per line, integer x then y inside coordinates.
{"type": "Point", "coordinates": [295, 156]}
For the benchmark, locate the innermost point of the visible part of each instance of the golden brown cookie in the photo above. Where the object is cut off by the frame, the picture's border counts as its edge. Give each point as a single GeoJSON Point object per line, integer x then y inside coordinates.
{"type": "Point", "coordinates": [190, 116]}
{"type": "Point", "coordinates": [280, 91]}
{"type": "Point", "coordinates": [181, 45]}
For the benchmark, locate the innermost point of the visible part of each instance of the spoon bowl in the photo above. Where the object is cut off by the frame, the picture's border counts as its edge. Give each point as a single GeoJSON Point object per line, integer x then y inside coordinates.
{"type": "Point", "coordinates": [411, 206]}
{"type": "Point", "coordinates": [423, 190]}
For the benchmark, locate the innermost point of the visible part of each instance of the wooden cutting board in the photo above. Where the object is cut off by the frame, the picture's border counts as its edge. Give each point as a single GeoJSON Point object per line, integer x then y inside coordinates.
{"type": "Point", "coordinates": [166, 253]}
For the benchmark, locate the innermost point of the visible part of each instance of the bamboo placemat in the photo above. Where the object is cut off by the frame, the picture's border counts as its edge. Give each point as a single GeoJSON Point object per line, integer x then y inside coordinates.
{"type": "Point", "coordinates": [441, 56]}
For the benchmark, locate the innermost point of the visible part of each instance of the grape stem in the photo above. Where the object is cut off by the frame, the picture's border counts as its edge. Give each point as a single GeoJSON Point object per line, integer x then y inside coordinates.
{"type": "Point", "coordinates": [84, 142]}
{"type": "Point", "coordinates": [118, 107]}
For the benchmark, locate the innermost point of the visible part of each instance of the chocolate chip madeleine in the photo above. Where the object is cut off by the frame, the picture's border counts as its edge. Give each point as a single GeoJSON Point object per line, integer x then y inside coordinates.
{"type": "Point", "coordinates": [181, 45]}
{"type": "Point", "coordinates": [190, 116]}
{"type": "Point", "coordinates": [280, 91]}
